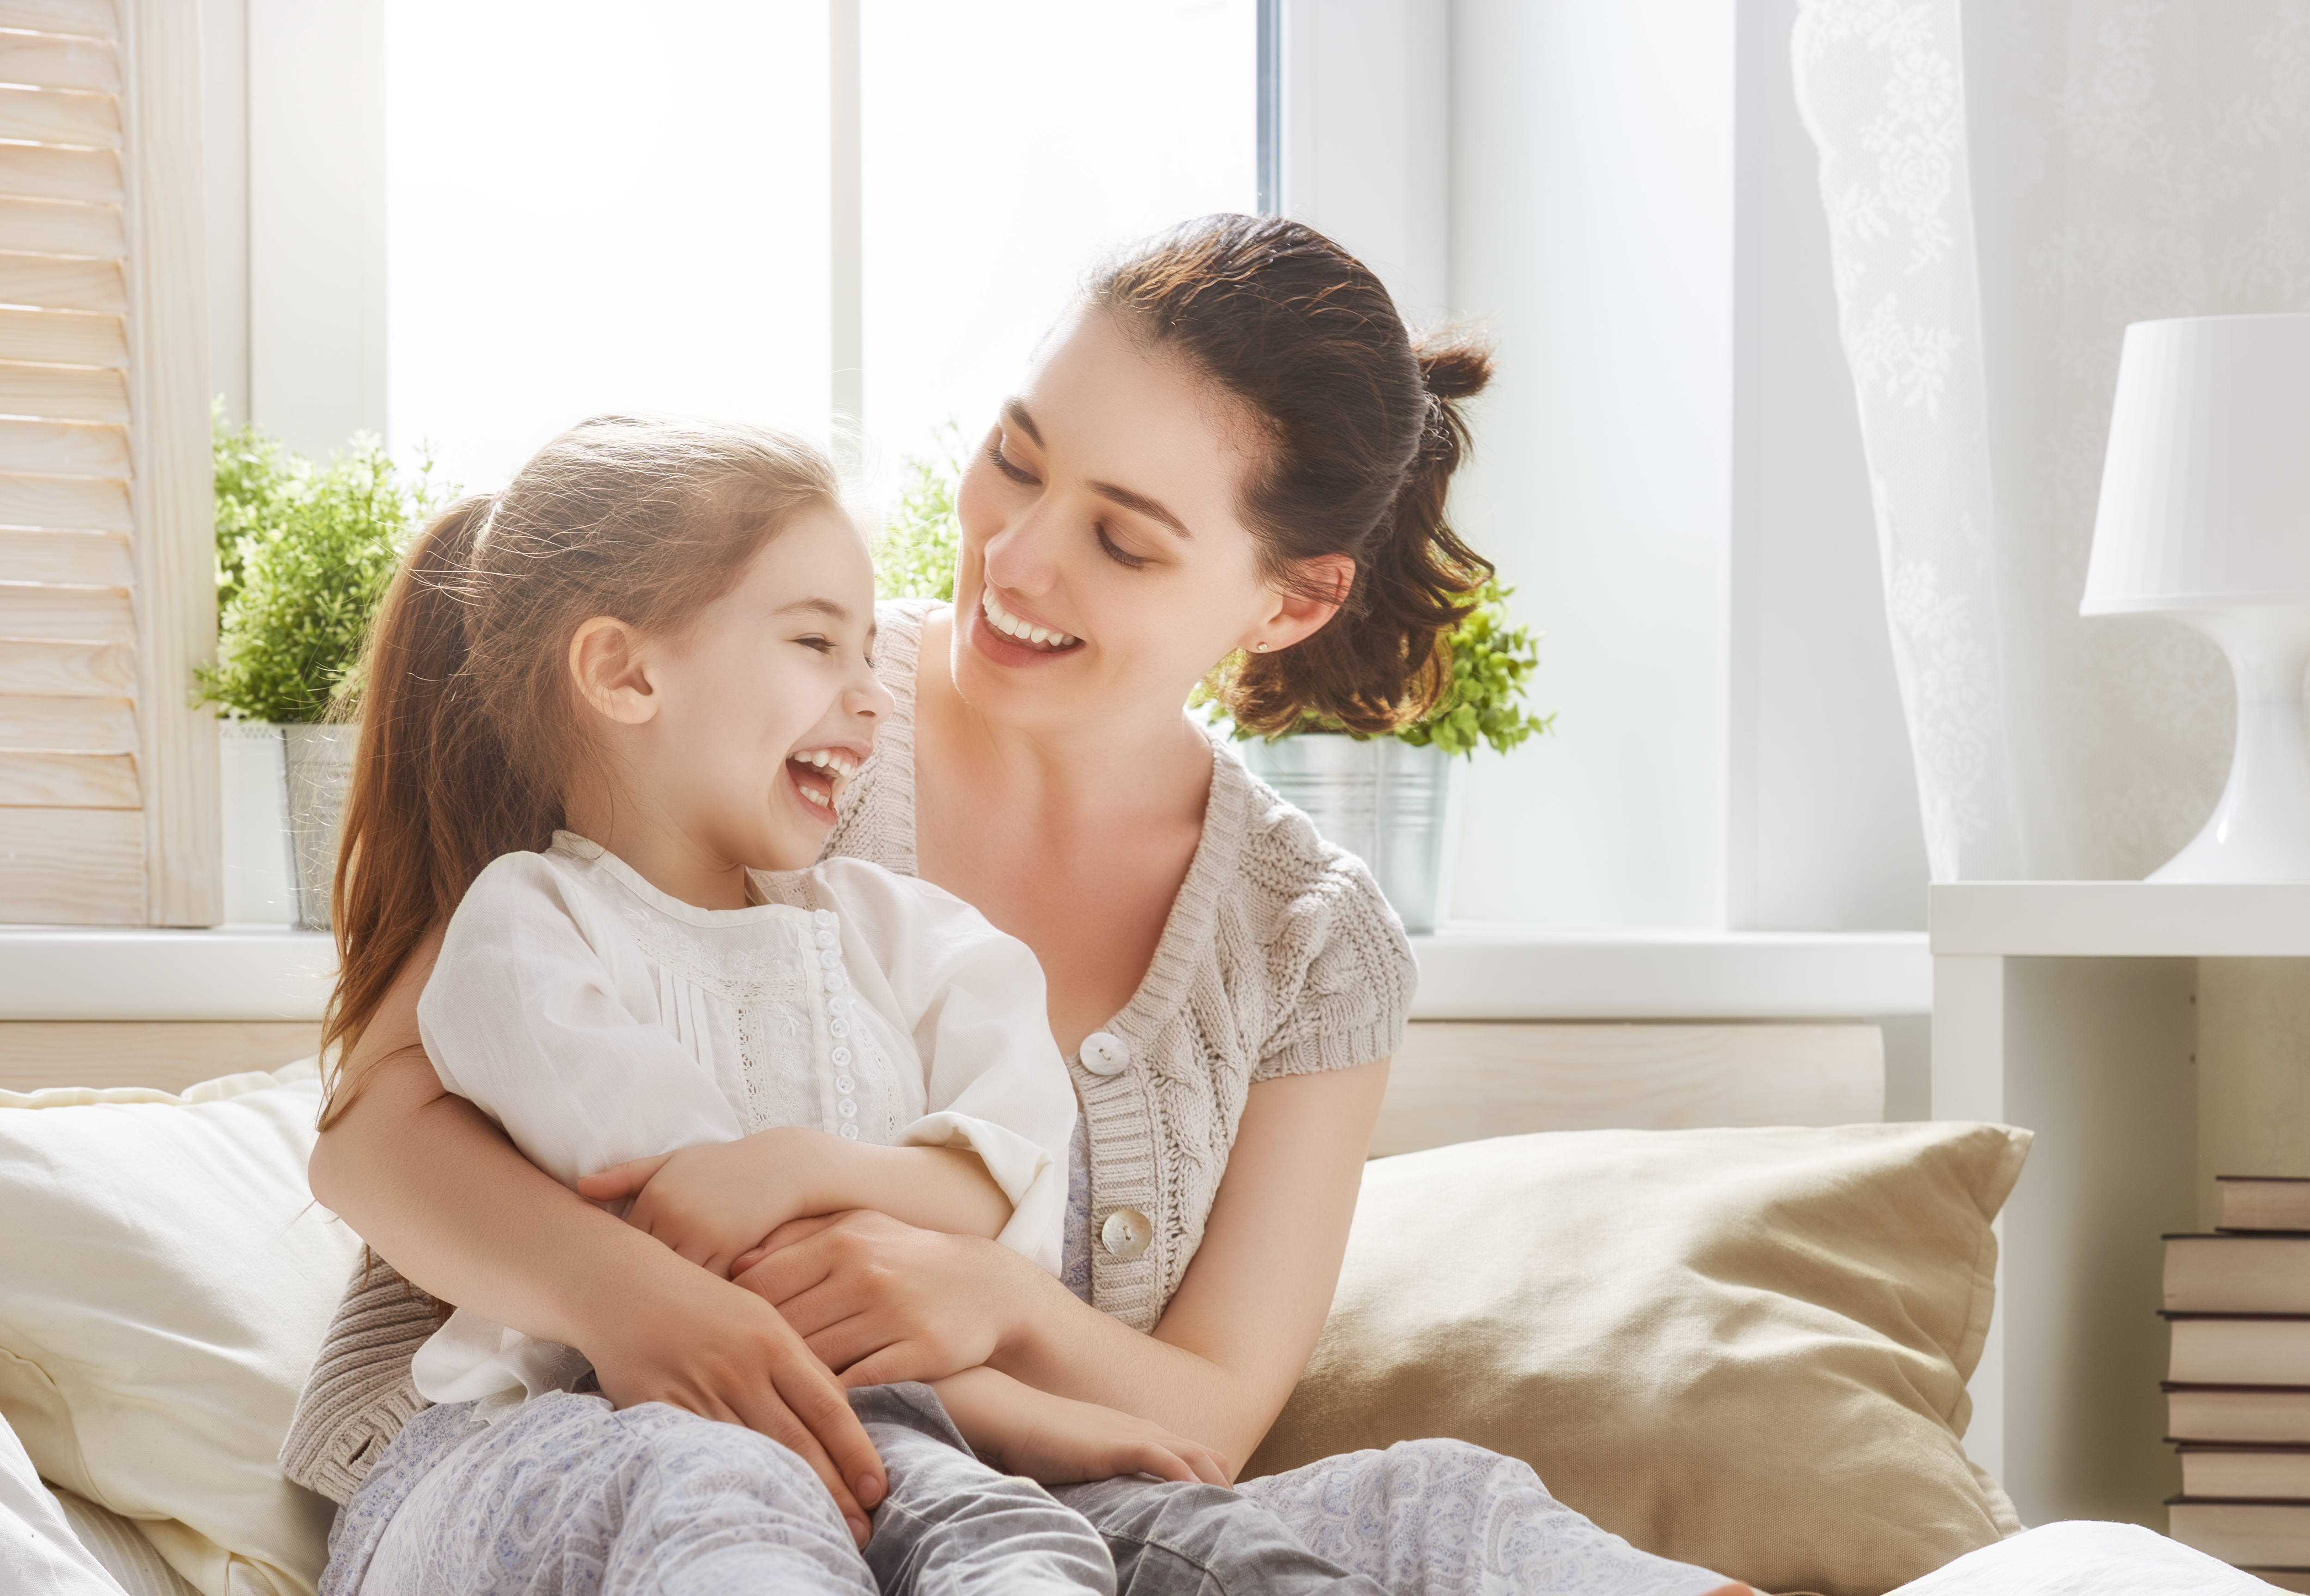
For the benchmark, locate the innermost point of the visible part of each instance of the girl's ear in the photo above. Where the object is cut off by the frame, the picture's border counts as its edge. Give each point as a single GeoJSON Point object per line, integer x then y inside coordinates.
{"type": "Point", "coordinates": [606, 661]}
{"type": "Point", "coordinates": [1301, 610]}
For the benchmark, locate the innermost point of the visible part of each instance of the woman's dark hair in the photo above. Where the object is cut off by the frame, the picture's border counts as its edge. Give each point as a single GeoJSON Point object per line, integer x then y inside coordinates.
{"type": "Point", "coordinates": [470, 726]}
{"type": "Point", "coordinates": [1361, 431]}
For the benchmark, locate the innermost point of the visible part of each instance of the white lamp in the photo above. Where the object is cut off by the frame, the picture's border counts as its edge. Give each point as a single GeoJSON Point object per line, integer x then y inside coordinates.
{"type": "Point", "coordinates": [2205, 516]}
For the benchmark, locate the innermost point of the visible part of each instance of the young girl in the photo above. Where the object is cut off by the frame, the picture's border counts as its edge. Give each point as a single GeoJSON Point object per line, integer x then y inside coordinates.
{"type": "Point", "coordinates": [606, 715]}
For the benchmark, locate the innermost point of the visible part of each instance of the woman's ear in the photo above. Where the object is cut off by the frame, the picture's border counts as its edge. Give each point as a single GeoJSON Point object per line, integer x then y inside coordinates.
{"type": "Point", "coordinates": [1321, 586]}
{"type": "Point", "coordinates": [606, 661]}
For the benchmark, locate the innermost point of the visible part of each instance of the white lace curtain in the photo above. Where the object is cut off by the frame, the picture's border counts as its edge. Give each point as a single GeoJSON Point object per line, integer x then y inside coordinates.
{"type": "Point", "coordinates": [2008, 183]}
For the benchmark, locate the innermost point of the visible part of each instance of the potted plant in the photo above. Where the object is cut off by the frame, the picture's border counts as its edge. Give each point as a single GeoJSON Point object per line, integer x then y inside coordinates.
{"type": "Point", "coordinates": [304, 554]}
{"type": "Point", "coordinates": [1395, 801]}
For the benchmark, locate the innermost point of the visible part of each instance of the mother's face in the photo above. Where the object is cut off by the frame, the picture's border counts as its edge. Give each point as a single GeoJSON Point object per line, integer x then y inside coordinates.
{"type": "Point", "coordinates": [1099, 520]}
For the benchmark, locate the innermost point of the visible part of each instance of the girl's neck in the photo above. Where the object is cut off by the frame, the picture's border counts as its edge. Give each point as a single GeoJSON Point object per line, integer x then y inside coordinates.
{"type": "Point", "coordinates": [654, 848]}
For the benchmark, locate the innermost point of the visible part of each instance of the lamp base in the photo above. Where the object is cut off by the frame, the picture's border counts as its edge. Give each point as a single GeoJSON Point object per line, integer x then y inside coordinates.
{"type": "Point", "coordinates": [2260, 831]}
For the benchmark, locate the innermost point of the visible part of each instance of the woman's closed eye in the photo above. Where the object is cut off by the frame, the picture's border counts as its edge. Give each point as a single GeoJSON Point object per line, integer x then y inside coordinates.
{"type": "Point", "coordinates": [1117, 551]}
{"type": "Point", "coordinates": [1008, 466]}
{"type": "Point", "coordinates": [818, 642]}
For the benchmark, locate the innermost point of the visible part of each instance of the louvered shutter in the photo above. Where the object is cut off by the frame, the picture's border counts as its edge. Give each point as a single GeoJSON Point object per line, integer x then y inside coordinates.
{"type": "Point", "coordinates": [108, 775]}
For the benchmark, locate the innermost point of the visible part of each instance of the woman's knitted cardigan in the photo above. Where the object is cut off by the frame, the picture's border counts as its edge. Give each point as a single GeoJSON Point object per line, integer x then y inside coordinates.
{"type": "Point", "coordinates": [1280, 958]}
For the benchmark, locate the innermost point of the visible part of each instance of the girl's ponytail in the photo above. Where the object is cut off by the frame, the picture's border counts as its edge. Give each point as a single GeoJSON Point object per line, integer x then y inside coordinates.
{"type": "Point", "coordinates": [1361, 431]}
{"type": "Point", "coordinates": [432, 798]}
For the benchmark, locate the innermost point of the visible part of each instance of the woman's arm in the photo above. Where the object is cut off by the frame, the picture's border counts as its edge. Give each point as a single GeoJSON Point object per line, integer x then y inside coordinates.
{"type": "Point", "coordinates": [428, 1181]}
{"type": "Point", "coordinates": [883, 1302]}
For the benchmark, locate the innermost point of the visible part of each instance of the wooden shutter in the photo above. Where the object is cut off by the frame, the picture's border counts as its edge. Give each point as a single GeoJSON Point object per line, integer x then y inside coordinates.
{"type": "Point", "coordinates": [108, 775]}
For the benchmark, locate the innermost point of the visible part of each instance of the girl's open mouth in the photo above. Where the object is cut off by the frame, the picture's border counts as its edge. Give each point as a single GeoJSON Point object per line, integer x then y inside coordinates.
{"type": "Point", "coordinates": [816, 773]}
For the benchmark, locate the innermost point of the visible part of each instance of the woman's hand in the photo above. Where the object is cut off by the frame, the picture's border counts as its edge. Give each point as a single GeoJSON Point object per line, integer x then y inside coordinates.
{"type": "Point", "coordinates": [880, 1300]}
{"type": "Point", "coordinates": [1057, 1441]}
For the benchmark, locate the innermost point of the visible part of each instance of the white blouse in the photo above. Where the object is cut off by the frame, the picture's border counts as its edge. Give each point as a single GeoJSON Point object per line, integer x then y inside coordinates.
{"type": "Point", "coordinates": [598, 1019]}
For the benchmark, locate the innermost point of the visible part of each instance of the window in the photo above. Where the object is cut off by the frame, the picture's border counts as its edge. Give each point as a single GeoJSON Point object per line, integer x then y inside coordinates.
{"type": "Point", "coordinates": [607, 215]}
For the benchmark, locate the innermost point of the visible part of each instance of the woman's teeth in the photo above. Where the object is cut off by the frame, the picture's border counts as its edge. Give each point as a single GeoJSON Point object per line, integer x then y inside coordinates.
{"type": "Point", "coordinates": [1012, 626]}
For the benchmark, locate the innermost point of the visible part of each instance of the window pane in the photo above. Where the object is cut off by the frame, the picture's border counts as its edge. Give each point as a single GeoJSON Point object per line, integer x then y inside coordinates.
{"type": "Point", "coordinates": [1004, 147]}
{"type": "Point", "coordinates": [598, 206]}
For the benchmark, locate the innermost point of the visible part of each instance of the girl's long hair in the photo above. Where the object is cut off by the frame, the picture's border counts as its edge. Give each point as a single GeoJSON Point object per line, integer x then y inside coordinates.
{"type": "Point", "coordinates": [471, 729]}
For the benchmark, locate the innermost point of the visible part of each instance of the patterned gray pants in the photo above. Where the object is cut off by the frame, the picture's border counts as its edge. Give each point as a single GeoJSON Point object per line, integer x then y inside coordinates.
{"type": "Point", "coordinates": [563, 1496]}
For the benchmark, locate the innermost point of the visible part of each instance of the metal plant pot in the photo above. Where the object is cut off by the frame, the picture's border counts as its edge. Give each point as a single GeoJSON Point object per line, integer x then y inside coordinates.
{"type": "Point", "coordinates": [317, 761]}
{"type": "Point", "coordinates": [1395, 806]}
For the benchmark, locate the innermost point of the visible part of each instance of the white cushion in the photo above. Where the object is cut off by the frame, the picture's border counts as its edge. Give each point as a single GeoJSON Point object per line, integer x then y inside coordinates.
{"type": "Point", "coordinates": [165, 1277]}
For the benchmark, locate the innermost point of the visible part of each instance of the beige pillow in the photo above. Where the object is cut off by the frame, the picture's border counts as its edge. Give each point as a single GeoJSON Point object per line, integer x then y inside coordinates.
{"type": "Point", "coordinates": [164, 1279]}
{"type": "Point", "coordinates": [1743, 1348]}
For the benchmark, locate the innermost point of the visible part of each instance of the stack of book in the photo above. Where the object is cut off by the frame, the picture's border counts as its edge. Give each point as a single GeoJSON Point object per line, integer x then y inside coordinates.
{"type": "Point", "coordinates": [2237, 1391]}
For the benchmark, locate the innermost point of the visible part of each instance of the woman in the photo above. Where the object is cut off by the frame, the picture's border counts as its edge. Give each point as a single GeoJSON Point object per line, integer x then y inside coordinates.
{"type": "Point", "coordinates": [1229, 448]}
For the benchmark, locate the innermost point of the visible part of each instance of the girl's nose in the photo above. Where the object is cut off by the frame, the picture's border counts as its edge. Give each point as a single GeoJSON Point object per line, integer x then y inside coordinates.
{"type": "Point", "coordinates": [870, 699]}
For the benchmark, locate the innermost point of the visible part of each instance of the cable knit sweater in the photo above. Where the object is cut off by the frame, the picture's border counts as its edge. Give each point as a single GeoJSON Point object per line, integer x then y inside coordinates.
{"type": "Point", "coordinates": [1280, 958]}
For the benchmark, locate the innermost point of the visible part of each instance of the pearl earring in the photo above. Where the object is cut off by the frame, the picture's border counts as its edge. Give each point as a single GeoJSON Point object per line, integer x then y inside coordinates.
{"type": "Point", "coordinates": [1259, 648]}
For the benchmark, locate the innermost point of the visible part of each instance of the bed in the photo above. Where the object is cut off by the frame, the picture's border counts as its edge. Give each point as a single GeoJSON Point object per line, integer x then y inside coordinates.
{"type": "Point", "coordinates": [1688, 1271]}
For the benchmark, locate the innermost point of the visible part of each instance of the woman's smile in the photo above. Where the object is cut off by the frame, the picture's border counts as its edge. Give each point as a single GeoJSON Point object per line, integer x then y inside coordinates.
{"type": "Point", "coordinates": [1009, 639]}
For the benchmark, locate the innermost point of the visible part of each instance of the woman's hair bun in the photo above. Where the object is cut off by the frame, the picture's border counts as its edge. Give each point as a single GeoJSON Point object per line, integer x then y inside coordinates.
{"type": "Point", "coordinates": [1453, 365]}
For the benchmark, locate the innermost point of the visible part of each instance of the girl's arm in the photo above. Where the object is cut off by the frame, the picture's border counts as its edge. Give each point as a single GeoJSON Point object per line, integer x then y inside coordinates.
{"type": "Point", "coordinates": [885, 1302]}
{"type": "Point", "coordinates": [712, 1202]}
{"type": "Point", "coordinates": [427, 1180]}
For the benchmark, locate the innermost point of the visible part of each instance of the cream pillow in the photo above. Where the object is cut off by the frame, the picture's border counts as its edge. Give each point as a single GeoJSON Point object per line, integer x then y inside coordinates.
{"type": "Point", "coordinates": [164, 1280]}
{"type": "Point", "coordinates": [1743, 1348]}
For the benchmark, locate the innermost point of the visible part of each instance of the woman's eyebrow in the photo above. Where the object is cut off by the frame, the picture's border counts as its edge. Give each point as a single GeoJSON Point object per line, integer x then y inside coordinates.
{"type": "Point", "coordinates": [1150, 508]}
{"type": "Point", "coordinates": [815, 606]}
{"type": "Point", "coordinates": [1015, 410]}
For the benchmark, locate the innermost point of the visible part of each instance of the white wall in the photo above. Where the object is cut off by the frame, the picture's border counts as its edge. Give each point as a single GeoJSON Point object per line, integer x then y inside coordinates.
{"type": "Point", "coordinates": [1670, 472]}
{"type": "Point", "coordinates": [1592, 229]}
{"type": "Point", "coordinates": [1822, 813]}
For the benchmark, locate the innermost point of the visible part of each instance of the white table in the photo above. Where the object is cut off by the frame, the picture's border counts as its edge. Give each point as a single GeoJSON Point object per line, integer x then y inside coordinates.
{"type": "Point", "coordinates": [2069, 1007]}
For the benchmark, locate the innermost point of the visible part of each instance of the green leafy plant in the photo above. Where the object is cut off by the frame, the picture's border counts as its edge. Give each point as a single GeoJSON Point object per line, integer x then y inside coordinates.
{"type": "Point", "coordinates": [914, 557]}
{"type": "Point", "coordinates": [1492, 661]}
{"type": "Point", "coordinates": [304, 555]}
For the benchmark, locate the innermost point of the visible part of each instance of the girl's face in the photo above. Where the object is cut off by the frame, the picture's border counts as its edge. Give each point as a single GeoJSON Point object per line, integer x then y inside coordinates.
{"type": "Point", "coordinates": [1099, 520]}
{"type": "Point", "coordinates": [769, 705]}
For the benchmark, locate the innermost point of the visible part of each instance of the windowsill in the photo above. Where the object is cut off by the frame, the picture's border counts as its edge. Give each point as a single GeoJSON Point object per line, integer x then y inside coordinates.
{"type": "Point", "coordinates": [1476, 971]}
{"type": "Point", "coordinates": [232, 972]}
{"type": "Point", "coordinates": [1490, 970]}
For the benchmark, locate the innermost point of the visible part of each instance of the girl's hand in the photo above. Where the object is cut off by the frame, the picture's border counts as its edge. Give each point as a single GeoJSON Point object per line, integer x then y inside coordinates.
{"type": "Point", "coordinates": [713, 1202]}
{"type": "Point", "coordinates": [1057, 1441]}
{"type": "Point", "coordinates": [881, 1301]}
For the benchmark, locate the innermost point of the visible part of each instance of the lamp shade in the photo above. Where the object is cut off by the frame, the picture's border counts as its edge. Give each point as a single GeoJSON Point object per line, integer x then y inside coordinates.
{"type": "Point", "coordinates": [2205, 494]}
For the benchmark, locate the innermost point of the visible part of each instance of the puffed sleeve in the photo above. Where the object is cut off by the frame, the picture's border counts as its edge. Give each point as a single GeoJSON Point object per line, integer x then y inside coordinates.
{"type": "Point", "coordinates": [972, 998]}
{"type": "Point", "coordinates": [541, 1011]}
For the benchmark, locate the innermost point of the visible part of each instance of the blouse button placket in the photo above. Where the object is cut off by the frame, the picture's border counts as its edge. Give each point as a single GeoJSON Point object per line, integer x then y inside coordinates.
{"type": "Point", "coordinates": [837, 1022]}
